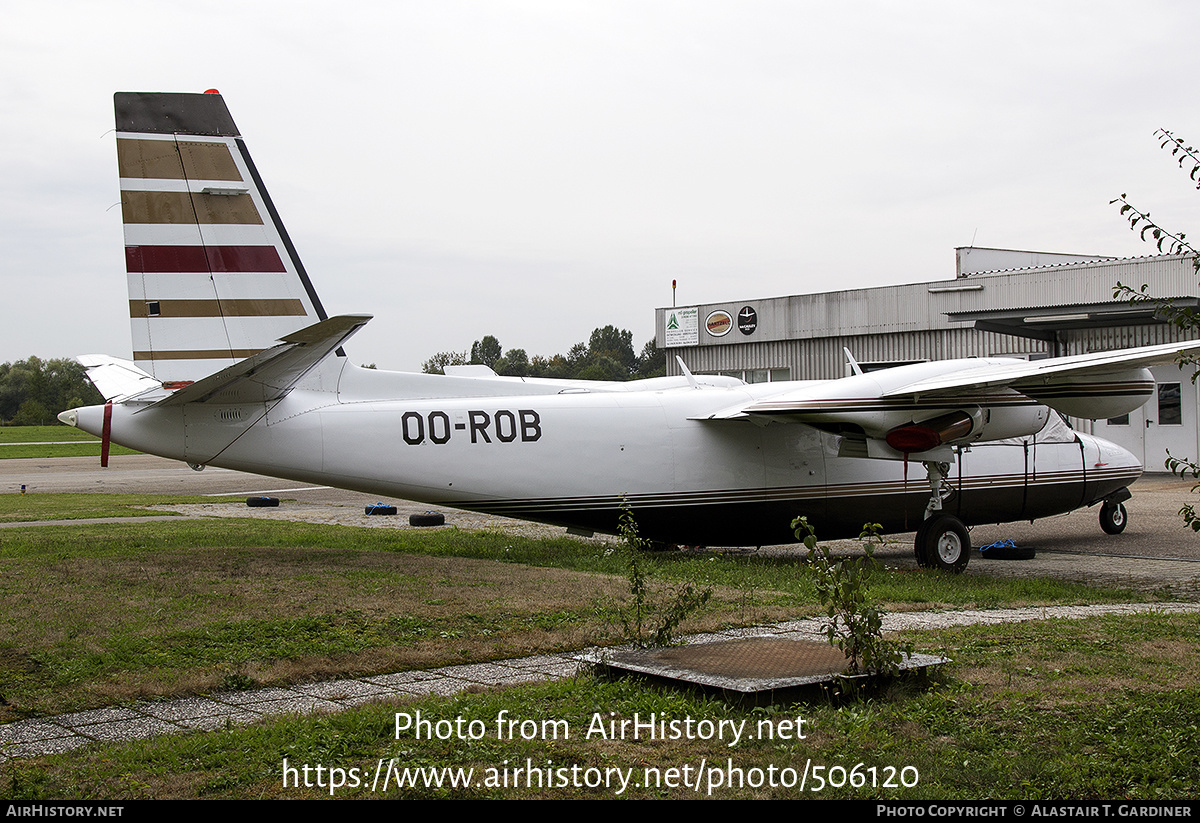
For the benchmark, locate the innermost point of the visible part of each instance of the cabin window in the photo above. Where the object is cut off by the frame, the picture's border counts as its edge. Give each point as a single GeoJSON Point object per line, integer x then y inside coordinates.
{"type": "Point", "coordinates": [153, 309]}
{"type": "Point", "coordinates": [1170, 406]}
{"type": "Point", "coordinates": [757, 375]}
{"type": "Point", "coordinates": [1123, 420]}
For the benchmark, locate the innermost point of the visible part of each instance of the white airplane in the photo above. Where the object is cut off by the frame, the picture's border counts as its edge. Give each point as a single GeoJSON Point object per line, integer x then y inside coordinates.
{"type": "Point", "coordinates": [237, 365]}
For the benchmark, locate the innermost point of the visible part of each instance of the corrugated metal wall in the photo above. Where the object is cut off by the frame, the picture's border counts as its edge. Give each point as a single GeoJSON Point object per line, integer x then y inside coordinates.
{"type": "Point", "coordinates": [806, 333]}
{"type": "Point", "coordinates": [1083, 341]}
{"type": "Point", "coordinates": [823, 359]}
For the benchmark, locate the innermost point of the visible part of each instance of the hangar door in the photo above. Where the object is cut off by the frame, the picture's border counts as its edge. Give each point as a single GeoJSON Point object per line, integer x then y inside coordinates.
{"type": "Point", "coordinates": [1168, 421]}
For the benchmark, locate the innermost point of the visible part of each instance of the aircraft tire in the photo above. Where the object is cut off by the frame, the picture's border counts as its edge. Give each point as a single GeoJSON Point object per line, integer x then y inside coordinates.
{"type": "Point", "coordinates": [262, 502]}
{"type": "Point", "coordinates": [919, 546]}
{"type": "Point", "coordinates": [1008, 553]}
{"type": "Point", "coordinates": [1113, 518]}
{"type": "Point", "coordinates": [945, 543]}
{"type": "Point", "coordinates": [427, 519]}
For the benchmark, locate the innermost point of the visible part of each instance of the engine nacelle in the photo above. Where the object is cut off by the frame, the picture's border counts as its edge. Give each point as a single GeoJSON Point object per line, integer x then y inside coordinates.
{"type": "Point", "coordinates": [1094, 396]}
{"type": "Point", "coordinates": [967, 426]}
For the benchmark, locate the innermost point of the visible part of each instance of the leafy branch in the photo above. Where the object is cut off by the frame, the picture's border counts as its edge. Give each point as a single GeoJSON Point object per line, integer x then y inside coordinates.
{"type": "Point", "coordinates": [1182, 152]}
{"type": "Point", "coordinates": [1166, 242]}
{"type": "Point", "coordinates": [1182, 317]}
{"type": "Point", "coordinates": [1186, 469]}
{"type": "Point", "coordinates": [670, 609]}
{"type": "Point", "coordinates": [855, 626]}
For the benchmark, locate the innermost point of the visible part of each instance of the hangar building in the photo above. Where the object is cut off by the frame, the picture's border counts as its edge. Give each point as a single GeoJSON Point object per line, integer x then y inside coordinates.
{"type": "Point", "coordinates": [1001, 302]}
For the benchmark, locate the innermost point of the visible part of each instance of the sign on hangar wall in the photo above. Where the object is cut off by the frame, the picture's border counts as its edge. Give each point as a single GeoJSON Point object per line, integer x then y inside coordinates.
{"type": "Point", "coordinates": [683, 325]}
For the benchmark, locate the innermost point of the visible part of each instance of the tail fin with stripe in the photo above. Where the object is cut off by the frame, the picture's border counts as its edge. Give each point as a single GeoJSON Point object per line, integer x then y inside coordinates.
{"type": "Point", "coordinates": [213, 276]}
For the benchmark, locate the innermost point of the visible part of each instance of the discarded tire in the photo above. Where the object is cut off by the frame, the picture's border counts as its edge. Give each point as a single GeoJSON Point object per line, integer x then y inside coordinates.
{"type": "Point", "coordinates": [427, 519]}
{"type": "Point", "coordinates": [262, 502]}
{"type": "Point", "coordinates": [1007, 550]}
{"type": "Point", "coordinates": [380, 508]}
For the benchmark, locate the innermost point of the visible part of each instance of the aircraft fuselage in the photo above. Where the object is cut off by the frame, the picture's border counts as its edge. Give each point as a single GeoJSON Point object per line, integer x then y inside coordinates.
{"type": "Point", "coordinates": [571, 457]}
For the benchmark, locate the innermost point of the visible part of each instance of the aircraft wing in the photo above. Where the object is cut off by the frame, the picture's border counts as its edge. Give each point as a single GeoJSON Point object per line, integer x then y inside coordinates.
{"type": "Point", "coordinates": [1077, 378]}
{"type": "Point", "coordinates": [271, 373]}
{"type": "Point", "coordinates": [1037, 373]}
{"type": "Point", "coordinates": [925, 406]}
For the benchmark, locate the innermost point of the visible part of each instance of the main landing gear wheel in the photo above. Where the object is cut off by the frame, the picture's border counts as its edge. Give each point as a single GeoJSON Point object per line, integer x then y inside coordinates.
{"type": "Point", "coordinates": [943, 543]}
{"type": "Point", "coordinates": [919, 546]}
{"type": "Point", "coordinates": [1113, 518]}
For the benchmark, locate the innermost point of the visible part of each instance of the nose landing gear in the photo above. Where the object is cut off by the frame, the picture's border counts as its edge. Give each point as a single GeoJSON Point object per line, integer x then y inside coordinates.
{"type": "Point", "coordinates": [1113, 518]}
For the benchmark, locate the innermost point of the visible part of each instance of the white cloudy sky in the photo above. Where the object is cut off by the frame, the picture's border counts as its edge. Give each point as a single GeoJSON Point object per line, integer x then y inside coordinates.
{"type": "Point", "coordinates": [534, 169]}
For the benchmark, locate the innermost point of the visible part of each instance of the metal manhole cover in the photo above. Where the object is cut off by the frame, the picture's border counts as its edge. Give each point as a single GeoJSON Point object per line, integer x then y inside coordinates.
{"type": "Point", "coordinates": [750, 664]}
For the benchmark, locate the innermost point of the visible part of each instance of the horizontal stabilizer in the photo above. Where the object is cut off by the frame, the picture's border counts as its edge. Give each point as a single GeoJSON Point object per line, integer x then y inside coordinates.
{"type": "Point", "coordinates": [116, 379]}
{"type": "Point", "coordinates": [271, 374]}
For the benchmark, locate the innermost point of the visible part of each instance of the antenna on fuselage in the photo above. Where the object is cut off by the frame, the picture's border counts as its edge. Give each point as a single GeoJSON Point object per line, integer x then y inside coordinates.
{"type": "Point", "coordinates": [853, 363]}
{"type": "Point", "coordinates": [691, 378]}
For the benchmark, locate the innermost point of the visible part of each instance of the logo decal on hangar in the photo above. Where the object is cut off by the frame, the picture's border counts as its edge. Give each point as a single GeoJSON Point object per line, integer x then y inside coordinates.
{"type": "Point", "coordinates": [747, 320]}
{"type": "Point", "coordinates": [718, 323]}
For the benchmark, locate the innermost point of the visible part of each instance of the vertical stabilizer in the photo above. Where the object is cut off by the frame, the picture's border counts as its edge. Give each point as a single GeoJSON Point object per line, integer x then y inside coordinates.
{"type": "Point", "coordinates": [213, 277]}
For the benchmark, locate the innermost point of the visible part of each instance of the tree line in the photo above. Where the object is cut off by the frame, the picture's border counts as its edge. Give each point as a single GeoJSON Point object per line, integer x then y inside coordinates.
{"type": "Point", "coordinates": [33, 391]}
{"type": "Point", "coordinates": [607, 355]}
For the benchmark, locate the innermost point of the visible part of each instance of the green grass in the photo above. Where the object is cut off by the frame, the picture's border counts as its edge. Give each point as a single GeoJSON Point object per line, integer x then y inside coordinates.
{"type": "Point", "coordinates": [100, 615]}
{"type": "Point", "coordinates": [27, 507]}
{"type": "Point", "coordinates": [60, 450]}
{"type": "Point", "coordinates": [92, 614]}
{"type": "Point", "coordinates": [1097, 710]}
{"type": "Point", "coordinates": [42, 434]}
{"type": "Point", "coordinates": [51, 441]}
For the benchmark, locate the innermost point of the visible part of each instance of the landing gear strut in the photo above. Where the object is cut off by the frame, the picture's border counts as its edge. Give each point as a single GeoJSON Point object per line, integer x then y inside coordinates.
{"type": "Point", "coordinates": [942, 540]}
